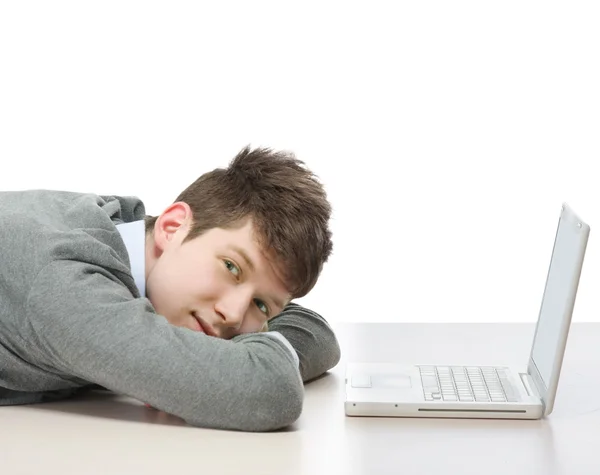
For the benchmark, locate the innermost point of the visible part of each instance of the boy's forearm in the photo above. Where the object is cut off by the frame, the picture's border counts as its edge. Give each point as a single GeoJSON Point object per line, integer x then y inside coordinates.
{"type": "Point", "coordinates": [312, 338]}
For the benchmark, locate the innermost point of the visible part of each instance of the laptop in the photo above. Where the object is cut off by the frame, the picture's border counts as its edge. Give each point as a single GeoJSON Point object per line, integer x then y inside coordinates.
{"type": "Point", "coordinates": [474, 391]}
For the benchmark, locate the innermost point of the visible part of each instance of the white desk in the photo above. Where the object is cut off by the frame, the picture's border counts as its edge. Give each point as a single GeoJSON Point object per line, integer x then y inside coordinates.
{"type": "Point", "coordinates": [106, 434]}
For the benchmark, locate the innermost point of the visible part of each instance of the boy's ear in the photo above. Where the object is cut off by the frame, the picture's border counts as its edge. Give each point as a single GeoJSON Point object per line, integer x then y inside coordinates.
{"type": "Point", "coordinates": [173, 223]}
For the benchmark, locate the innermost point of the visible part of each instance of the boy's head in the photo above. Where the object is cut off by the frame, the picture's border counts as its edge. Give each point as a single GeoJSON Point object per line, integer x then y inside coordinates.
{"type": "Point", "coordinates": [265, 206]}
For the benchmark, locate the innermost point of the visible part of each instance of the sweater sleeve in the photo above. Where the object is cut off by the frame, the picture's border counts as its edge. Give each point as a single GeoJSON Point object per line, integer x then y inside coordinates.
{"type": "Point", "coordinates": [88, 326]}
{"type": "Point", "coordinates": [312, 338]}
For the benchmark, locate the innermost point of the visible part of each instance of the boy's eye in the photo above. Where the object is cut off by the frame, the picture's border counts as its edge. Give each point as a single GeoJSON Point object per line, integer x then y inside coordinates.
{"type": "Point", "coordinates": [235, 270]}
{"type": "Point", "coordinates": [262, 306]}
{"type": "Point", "coordinates": [231, 267]}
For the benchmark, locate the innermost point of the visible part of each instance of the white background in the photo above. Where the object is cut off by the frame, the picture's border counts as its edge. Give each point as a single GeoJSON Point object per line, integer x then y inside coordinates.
{"type": "Point", "coordinates": [447, 133]}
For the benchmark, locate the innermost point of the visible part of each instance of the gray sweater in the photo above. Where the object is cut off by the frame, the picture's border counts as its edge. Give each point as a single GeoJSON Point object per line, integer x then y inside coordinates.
{"type": "Point", "coordinates": [71, 317]}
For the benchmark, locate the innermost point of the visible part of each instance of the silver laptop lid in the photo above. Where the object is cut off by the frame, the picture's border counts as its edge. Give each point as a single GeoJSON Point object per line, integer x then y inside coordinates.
{"type": "Point", "coordinates": [554, 319]}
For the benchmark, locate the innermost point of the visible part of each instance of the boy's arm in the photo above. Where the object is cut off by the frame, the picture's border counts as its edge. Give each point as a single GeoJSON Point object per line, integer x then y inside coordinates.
{"type": "Point", "coordinates": [312, 338]}
{"type": "Point", "coordinates": [89, 329]}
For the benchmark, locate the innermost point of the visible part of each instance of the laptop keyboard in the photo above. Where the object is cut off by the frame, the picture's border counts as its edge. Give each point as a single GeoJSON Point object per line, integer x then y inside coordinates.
{"type": "Point", "coordinates": [467, 383]}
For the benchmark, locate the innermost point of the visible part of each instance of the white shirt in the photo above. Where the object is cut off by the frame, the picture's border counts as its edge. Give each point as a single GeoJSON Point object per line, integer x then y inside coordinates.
{"type": "Point", "coordinates": [133, 234]}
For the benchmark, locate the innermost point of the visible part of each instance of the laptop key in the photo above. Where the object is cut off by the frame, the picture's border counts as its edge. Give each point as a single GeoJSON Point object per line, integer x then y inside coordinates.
{"type": "Point", "coordinates": [429, 381]}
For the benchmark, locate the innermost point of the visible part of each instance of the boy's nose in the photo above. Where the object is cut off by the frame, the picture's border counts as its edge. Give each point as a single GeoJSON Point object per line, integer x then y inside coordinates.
{"type": "Point", "coordinates": [233, 306]}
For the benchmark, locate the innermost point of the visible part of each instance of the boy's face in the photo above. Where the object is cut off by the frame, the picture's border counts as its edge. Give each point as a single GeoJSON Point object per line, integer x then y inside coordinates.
{"type": "Point", "coordinates": [219, 283]}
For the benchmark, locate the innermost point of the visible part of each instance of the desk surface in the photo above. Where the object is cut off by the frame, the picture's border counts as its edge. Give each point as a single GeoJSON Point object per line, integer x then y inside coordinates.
{"type": "Point", "coordinates": [107, 434]}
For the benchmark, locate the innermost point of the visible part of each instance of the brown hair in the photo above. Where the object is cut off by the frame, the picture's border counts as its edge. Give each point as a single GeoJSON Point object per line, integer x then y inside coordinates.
{"type": "Point", "coordinates": [287, 205]}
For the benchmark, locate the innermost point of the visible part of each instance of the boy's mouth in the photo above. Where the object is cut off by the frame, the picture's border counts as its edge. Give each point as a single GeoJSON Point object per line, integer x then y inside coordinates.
{"type": "Point", "coordinates": [203, 326]}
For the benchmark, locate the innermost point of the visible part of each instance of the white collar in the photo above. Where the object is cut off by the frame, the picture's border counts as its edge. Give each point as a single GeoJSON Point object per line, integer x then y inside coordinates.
{"type": "Point", "coordinates": [134, 237]}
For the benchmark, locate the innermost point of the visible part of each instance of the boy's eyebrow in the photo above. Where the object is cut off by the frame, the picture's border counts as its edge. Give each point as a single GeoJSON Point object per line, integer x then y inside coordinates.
{"type": "Point", "coordinates": [252, 267]}
{"type": "Point", "coordinates": [245, 256]}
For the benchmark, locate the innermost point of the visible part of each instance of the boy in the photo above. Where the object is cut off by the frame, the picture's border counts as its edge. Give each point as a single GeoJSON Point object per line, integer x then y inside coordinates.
{"type": "Point", "coordinates": [171, 310]}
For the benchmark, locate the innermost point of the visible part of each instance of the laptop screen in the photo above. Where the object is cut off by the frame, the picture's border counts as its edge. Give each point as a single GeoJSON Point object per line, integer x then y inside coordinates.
{"type": "Point", "coordinates": [559, 297]}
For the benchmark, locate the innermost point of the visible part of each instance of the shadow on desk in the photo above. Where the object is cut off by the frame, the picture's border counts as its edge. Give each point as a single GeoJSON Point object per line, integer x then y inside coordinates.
{"type": "Point", "coordinates": [108, 405]}
{"type": "Point", "coordinates": [102, 403]}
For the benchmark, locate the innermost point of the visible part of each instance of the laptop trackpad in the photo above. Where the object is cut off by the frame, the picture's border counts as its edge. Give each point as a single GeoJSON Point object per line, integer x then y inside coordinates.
{"type": "Point", "coordinates": [391, 381]}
